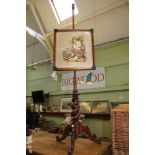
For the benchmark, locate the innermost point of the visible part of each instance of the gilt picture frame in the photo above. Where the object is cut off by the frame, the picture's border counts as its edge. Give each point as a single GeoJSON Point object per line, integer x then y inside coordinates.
{"type": "Point", "coordinates": [74, 49]}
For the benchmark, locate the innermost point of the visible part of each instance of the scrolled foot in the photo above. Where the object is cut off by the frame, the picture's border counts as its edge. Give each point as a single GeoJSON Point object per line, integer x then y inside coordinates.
{"type": "Point", "coordinates": [69, 152]}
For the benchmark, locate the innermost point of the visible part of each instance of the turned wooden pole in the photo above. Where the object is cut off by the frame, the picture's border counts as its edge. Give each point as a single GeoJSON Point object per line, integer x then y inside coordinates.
{"type": "Point", "coordinates": [75, 103]}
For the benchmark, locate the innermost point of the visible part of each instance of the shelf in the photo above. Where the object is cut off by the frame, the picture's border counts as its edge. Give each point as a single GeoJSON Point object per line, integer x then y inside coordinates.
{"type": "Point", "coordinates": [88, 115]}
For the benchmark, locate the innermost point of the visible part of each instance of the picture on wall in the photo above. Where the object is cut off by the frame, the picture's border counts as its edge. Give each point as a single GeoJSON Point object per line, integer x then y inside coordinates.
{"type": "Point", "coordinates": [100, 107]}
{"type": "Point", "coordinates": [85, 106]}
{"type": "Point", "coordinates": [48, 109]}
{"type": "Point", "coordinates": [66, 105]}
{"type": "Point", "coordinates": [73, 49]}
{"type": "Point", "coordinates": [55, 108]}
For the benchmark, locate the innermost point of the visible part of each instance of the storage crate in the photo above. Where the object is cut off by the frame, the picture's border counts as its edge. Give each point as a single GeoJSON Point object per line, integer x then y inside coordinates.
{"type": "Point", "coordinates": [120, 130]}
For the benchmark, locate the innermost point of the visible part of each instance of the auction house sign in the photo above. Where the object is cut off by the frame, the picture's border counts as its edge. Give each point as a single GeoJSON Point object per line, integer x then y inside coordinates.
{"type": "Point", "coordinates": [85, 79]}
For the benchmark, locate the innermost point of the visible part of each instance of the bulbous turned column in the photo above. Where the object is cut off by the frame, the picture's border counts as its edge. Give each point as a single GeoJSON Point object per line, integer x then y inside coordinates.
{"type": "Point", "coordinates": [75, 103]}
{"type": "Point", "coordinates": [75, 114]}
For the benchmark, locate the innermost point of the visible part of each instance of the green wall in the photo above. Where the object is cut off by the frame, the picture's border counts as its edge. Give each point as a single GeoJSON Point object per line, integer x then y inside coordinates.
{"type": "Point", "coordinates": [114, 57]}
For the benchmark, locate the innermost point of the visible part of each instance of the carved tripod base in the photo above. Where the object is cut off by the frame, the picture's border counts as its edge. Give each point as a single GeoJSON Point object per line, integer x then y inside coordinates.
{"type": "Point", "coordinates": [80, 129]}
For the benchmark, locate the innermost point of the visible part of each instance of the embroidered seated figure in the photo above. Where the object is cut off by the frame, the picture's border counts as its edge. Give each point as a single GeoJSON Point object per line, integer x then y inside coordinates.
{"type": "Point", "coordinates": [81, 130]}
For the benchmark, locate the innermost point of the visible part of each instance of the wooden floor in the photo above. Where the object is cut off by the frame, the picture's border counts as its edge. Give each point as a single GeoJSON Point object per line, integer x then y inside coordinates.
{"type": "Point", "coordinates": [45, 143]}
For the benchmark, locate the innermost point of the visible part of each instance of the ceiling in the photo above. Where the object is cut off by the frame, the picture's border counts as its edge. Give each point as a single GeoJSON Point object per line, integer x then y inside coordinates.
{"type": "Point", "coordinates": [108, 18]}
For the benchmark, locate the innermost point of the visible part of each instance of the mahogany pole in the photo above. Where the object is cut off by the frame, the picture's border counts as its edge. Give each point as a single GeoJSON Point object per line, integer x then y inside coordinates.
{"type": "Point", "coordinates": [73, 7]}
{"type": "Point", "coordinates": [75, 103]}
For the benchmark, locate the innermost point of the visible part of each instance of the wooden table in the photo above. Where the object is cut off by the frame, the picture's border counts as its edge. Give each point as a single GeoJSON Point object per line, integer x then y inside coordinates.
{"type": "Point", "coordinates": [45, 144]}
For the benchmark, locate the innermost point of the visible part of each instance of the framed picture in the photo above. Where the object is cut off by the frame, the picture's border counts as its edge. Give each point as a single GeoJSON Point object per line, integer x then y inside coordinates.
{"type": "Point", "coordinates": [100, 107]}
{"type": "Point", "coordinates": [48, 109]}
{"type": "Point", "coordinates": [85, 106]}
{"type": "Point", "coordinates": [66, 105]}
{"type": "Point", "coordinates": [55, 108]}
{"type": "Point", "coordinates": [73, 49]}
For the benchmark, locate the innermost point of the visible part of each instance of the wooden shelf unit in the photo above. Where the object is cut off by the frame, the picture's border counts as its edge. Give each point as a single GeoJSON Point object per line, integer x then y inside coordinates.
{"type": "Point", "coordinates": [87, 115]}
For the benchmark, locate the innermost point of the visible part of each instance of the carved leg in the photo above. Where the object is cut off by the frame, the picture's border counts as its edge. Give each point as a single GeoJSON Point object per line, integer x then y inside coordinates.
{"type": "Point", "coordinates": [63, 132]}
{"type": "Point", "coordinates": [84, 128]}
